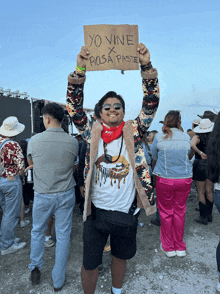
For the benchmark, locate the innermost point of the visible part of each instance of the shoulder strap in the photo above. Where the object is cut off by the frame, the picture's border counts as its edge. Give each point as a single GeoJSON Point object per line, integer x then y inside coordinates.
{"type": "Point", "coordinates": [3, 143]}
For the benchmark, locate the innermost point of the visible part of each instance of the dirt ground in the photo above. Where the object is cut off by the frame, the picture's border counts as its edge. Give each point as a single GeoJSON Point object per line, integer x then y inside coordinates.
{"type": "Point", "coordinates": [149, 272]}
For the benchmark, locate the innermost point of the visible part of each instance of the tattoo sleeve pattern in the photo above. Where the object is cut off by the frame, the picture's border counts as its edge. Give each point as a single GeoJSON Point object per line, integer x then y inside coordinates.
{"type": "Point", "coordinates": [140, 127]}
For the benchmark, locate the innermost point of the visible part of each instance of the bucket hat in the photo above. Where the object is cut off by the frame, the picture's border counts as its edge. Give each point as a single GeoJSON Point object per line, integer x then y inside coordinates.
{"type": "Point", "coordinates": [11, 127]}
{"type": "Point", "coordinates": [205, 126]}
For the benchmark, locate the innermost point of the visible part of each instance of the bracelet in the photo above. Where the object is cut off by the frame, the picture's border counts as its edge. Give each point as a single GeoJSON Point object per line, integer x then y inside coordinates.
{"type": "Point", "coordinates": [146, 67]}
{"type": "Point", "coordinates": [200, 153]}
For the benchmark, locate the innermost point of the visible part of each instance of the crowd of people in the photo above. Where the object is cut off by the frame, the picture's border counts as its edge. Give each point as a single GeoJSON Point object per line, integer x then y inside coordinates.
{"type": "Point", "coordinates": [121, 166]}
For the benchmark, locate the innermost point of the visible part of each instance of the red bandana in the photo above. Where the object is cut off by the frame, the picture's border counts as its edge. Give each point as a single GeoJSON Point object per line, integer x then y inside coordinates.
{"type": "Point", "coordinates": [110, 134]}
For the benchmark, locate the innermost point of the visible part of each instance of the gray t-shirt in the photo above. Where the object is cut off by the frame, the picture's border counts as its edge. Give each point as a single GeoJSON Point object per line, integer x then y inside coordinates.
{"type": "Point", "coordinates": [54, 153]}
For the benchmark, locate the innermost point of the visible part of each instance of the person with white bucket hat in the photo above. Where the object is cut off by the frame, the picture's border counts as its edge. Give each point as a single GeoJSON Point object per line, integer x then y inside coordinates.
{"type": "Point", "coordinates": [203, 184]}
{"type": "Point", "coordinates": [11, 168]}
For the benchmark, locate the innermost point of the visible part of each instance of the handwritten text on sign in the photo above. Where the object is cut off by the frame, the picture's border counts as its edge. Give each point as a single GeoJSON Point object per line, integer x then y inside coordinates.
{"type": "Point", "coordinates": [112, 47]}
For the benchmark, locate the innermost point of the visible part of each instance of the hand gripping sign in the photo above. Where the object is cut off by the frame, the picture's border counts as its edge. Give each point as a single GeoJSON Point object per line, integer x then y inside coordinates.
{"type": "Point", "coordinates": [112, 47]}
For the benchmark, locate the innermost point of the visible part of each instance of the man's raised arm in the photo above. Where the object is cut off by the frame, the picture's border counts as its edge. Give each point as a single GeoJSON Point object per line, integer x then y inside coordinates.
{"type": "Point", "coordinates": [150, 88]}
{"type": "Point", "coordinates": [74, 98]}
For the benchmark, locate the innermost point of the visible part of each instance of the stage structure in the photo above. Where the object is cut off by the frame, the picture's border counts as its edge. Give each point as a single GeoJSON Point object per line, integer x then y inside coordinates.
{"type": "Point", "coordinates": [28, 112]}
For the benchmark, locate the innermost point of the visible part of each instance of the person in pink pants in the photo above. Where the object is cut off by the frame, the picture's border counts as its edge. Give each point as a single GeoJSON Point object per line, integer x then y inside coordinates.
{"type": "Point", "coordinates": [171, 150]}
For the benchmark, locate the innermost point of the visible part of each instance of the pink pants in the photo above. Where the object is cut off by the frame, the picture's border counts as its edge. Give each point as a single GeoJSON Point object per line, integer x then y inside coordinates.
{"type": "Point", "coordinates": [172, 196]}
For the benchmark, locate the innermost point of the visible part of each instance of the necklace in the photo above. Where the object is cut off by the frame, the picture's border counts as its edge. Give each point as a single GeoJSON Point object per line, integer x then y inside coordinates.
{"type": "Point", "coordinates": [108, 157]}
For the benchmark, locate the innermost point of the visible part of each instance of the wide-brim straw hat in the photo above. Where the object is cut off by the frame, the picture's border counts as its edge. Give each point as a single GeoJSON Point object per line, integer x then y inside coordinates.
{"type": "Point", "coordinates": [205, 126]}
{"type": "Point", "coordinates": [11, 127]}
{"type": "Point", "coordinates": [196, 121]}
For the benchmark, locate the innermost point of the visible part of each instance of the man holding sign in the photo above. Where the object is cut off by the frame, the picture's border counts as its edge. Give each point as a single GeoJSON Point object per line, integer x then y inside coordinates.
{"type": "Point", "coordinates": [117, 180]}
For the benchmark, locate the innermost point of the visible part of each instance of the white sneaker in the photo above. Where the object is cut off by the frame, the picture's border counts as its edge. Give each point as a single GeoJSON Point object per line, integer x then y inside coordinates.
{"type": "Point", "coordinates": [27, 210]}
{"type": "Point", "coordinates": [24, 223]}
{"type": "Point", "coordinates": [181, 253]}
{"type": "Point", "coordinates": [49, 243]}
{"type": "Point", "coordinates": [168, 253]}
{"type": "Point", "coordinates": [13, 248]}
{"type": "Point", "coordinates": [218, 287]}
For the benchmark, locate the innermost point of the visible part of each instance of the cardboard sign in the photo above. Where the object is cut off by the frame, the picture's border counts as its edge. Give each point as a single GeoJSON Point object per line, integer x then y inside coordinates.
{"type": "Point", "coordinates": [112, 47]}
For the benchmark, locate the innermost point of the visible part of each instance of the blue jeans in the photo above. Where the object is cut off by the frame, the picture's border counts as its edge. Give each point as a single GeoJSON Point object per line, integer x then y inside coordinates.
{"type": "Point", "coordinates": [217, 203]}
{"type": "Point", "coordinates": [10, 201]}
{"type": "Point", "coordinates": [61, 205]}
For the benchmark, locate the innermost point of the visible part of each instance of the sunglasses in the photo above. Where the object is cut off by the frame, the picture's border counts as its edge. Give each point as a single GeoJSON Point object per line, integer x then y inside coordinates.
{"type": "Point", "coordinates": [116, 106]}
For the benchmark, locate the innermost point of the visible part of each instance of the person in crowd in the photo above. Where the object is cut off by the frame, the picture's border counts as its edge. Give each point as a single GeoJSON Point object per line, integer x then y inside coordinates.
{"type": "Point", "coordinates": [213, 174]}
{"type": "Point", "coordinates": [195, 124]}
{"type": "Point", "coordinates": [82, 155]}
{"type": "Point", "coordinates": [28, 194]}
{"type": "Point", "coordinates": [80, 175]}
{"type": "Point", "coordinates": [27, 189]}
{"type": "Point", "coordinates": [52, 154]}
{"type": "Point", "coordinates": [171, 151]}
{"type": "Point", "coordinates": [115, 169]}
{"type": "Point", "coordinates": [11, 168]}
{"type": "Point", "coordinates": [203, 185]}
{"type": "Point", "coordinates": [191, 133]}
{"type": "Point", "coordinates": [76, 177]}
{"type": "Point", "coordinates": [48, 238]}
{"type": "Point", "coordinates": [150, 139]}
{"type": "Point", "coordinates": [24, 221]}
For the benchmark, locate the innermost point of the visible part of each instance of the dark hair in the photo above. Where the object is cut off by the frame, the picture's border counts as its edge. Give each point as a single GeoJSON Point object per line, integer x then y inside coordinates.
{"type": "Point", "coordinates": [189, 130]}
{"type": "Point", "coordinates": [154, 132]}
{"type": "Point", "coordinates": [204, 137]}
{"type": "Point", "coordinates": [97, 111]}
{"type": "Point", "coordinates": [194, 126]}
{"type": "Point", "coordinates": [213, 152]}
{"type": "Point", "coordinates": [111, 94]}
{"type": "Point", "coordinates": [55, 110]}
{"type": "Point", "coordinates": [171, 120]}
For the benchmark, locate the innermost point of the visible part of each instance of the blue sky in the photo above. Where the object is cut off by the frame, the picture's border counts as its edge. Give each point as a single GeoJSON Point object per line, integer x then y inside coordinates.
{"type": "Point", "coordinates": [41, 39]}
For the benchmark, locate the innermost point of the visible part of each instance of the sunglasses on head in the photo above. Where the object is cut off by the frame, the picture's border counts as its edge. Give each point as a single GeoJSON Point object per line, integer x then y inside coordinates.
{"type": "Point", "coordinates": [116, 106]}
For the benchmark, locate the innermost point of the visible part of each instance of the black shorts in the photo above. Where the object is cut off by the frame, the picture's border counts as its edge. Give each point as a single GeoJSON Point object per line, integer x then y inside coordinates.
{"type": "Point", "coordinates": [199, 170]}
{"type": "Point", "coordinates": [94, 241]}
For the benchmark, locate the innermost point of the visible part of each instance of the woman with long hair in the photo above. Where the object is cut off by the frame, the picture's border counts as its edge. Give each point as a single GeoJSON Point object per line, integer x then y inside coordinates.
{"type": "Point", "coordinates": [213, 174]}
{"type": "Point", "coordinates": [203, 185]}
{"type": "Point", "coordinates": [171, 150]}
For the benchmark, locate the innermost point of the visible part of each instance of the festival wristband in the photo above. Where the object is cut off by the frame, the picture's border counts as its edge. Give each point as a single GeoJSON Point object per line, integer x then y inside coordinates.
{"type": "Point", "coordinates": [79, 71]}
{"type": "Point", "coordinates": [81, 68]}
